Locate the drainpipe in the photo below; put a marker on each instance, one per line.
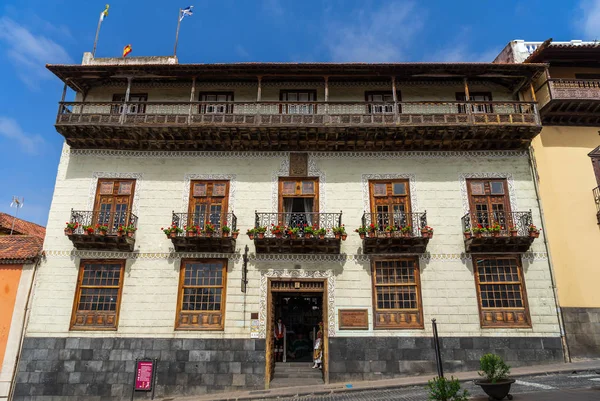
(559, 313)
(11, 390)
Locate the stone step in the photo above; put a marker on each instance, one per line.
(294, 382)
(301, 375)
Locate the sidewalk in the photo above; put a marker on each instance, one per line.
(324, 389)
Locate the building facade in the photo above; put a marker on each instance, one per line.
(20, 252)
(567, 155)
(156, 150)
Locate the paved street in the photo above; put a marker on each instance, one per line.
(572, 387)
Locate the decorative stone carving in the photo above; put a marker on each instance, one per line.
(185, 198)
(462, 180)
(298, 165)
(99, 174)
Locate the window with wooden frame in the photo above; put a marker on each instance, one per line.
(390, 203)
(299, 201)
(216, 103)
(133, 106)
(397, 294)
(595, 156)
(300, 101)
(501, 291)
(113, 203)
(201, 299)
(98, 295)
(489, 202)
(475, 97)
(382, 102)
(208, 203)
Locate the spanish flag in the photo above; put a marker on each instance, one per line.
(126, 50)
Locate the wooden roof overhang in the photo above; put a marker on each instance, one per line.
(513, 76)
(566, 54)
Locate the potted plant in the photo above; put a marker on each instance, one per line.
(120, 230)
(513, 231)
(293, 232)
(389, 231)
(130, 230)
(534, 232)
(172, 230)
(496, 383)
(467, 233)
(442, 389)
(209, 229)
(427, 232)
(102, 229)
(88, 230)
(235, 233)
(340, 232)
(373, 228)
(225, 230)
(251, 232)
(495, 229)
(362, 232)
(192, 230)
(321, 232)
(277, 230)
(406, 231)
(309, 231)
(70, 227)
(260, 231)
(479, 230)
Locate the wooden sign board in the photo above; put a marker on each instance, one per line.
(353, 319)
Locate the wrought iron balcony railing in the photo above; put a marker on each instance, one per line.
(596, 193)
(218, 220)
(299, 220)
(508, 221)
(298, 113)
(412, 223)
(111, 219)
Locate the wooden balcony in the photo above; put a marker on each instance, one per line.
(219, 241)
(302, 242)
(406, 237)
(570, 102)
(317, 126)
(94, 239)
(596, 194)
(514, 235)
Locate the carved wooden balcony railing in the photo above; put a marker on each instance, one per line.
(596, 193)
(293, 125)
(302, 242)
(514, 234)
(218, 241)
(407, 236)
(570, 101)
(112, 239)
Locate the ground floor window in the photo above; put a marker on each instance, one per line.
(501, 292)
(98, 295)
(397, 294)
(201, 300)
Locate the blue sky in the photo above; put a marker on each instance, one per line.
(36, 32)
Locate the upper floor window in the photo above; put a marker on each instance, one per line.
(216, 102)
(135, 105)
(381, 102)
(113, 203)
(595, 155)
(489, 202)
(390, 203)
(208, 203)
(299, 201)
(300, 101)
(475, 97)
(98, 295)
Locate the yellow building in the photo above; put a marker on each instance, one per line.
(567, 155)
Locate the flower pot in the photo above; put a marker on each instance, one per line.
(514, 233)
(371, 234)
(293, 236)
(338, 235)
(173, 234)
(321, 236)
(388, 234)
(120, 233)
(478, 235)
(407, 234)
(278, 235)
(68, 231)
(467, 235)
(307, 235)
(191, 234)
(234, 235)
(208, 234)
(362, 235)
(130, 234)
(86, 232)
(102, 232)
(534, 234)
(495, 233)
(344, 236)
(251, 236)
(261, 235)
(498, 390)
(225, 234)
(425, 234)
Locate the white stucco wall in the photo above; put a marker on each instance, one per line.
(148, 305)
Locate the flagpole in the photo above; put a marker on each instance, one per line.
(177, 33)
(97, 32)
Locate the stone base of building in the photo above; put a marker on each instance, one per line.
(103, 368)
(372, 358)
(582, 327)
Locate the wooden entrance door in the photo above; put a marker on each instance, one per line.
(390, 203)
(208, 203)
(114, 199)
(489, 203)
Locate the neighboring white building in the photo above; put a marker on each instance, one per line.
(403, 145)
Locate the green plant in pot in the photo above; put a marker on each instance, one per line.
(496, 382)
(442, 389)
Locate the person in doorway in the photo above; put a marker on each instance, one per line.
(279, 333)
(318, 351)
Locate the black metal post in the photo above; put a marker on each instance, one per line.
(438, 354)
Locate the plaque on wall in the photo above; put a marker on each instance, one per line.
(353, 319)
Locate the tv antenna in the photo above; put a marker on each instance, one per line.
(16, 203)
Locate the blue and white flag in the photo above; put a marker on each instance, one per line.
(185, 12)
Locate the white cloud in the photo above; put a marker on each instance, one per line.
(375, 34)
(10, 129)
(461, 53)
(589, 24)
(30, 52)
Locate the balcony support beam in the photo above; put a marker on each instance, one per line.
(326, 94)
(395, 95)
(467, 95)
(192, 96)
(533, 97)
(127, 93)
(259, 91)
